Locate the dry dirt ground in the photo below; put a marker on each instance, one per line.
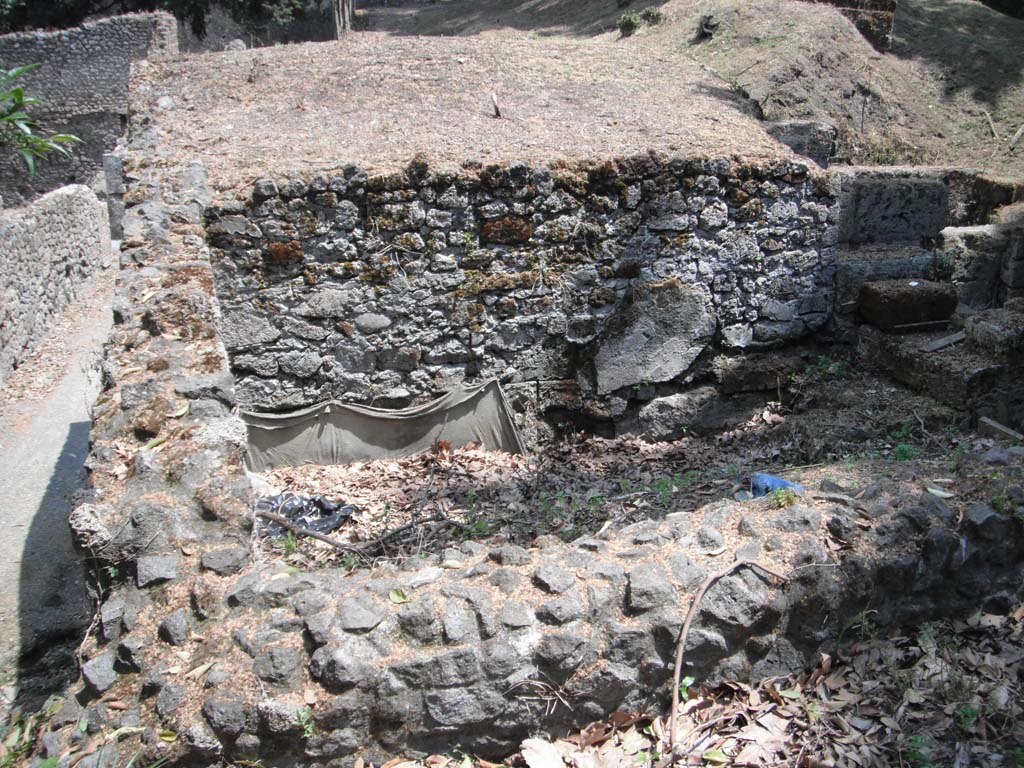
(953, 65)
(378, 100)
(419, 79)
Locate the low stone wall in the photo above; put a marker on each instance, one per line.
(49, 248)
(83, 81)
(621, 282)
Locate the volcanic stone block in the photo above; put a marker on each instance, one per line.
(997, 330)
(890, 303)
(99, 672)
(153, 569)
(656, 336)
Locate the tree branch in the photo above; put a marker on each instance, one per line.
(690, 614)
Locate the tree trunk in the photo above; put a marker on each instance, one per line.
(343, 12)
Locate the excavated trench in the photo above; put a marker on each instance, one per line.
(706, 303)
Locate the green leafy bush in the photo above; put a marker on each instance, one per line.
(628, 24)
(18, 129)
(905, 452)
(652, 16)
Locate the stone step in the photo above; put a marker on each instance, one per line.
(906, 304)
(963, 376)
(856, 265)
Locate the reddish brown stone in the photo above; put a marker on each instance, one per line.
(506, 231)
(285, 253)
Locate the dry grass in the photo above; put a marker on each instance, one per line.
(378, 100)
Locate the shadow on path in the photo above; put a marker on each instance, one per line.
(54, 603)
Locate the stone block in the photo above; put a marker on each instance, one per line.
(891, 303)
(656, 336)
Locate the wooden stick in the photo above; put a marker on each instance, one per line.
(690, 614)
(284, 521)
(991, 125)
(1016, 137)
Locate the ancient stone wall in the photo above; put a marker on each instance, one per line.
(620, 282)
(83, 82)
(49, 248)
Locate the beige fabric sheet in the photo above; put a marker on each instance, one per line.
(340, 433)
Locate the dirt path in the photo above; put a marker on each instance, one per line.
(44, 440)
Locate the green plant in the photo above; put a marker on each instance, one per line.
(903, 433)
(469, 238)
(781, 498)
(289, 543)
(916, 752)
(966, 717)
(304, 719)
(905, 452)
(826, 365)
(652, 16)
(18, 129)
(628, 24)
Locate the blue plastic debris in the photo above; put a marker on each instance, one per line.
(761, 484)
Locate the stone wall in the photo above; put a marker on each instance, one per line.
(620, 282)
(83, 80)
(49, 248)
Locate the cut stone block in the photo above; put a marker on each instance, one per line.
(890, 303)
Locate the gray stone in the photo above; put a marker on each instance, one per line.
(227, 714)
(154, 569)
(686, 574)
(201, 739)
(510, 554)
(281, 718)
(344, 665)
(710, 538)
(737, 601)
(506, 580)
(360, 614)
(672, 416)
(99, 672)
(459, 623)
(567, 608)
(301, 364)
(656, 337)
(225, 561)
(245, 329)
(443, 670)
(170, 699)
(457, 707)
(649, 588)
(175, 628)
(370, 322)
(277, 664)
(129, 654)
(516, 615)
(797, 519)
(551, 578)
(419, 619)
(987, 524)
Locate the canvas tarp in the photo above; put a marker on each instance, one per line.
(340, 433)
